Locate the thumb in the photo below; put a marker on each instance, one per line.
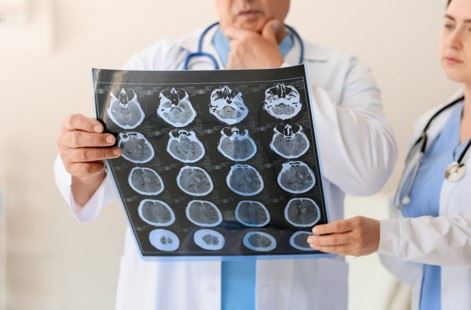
(271, 29)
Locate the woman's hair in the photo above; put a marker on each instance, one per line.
(448, 3)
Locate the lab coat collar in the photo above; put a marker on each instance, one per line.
(312, 52)
(437, 125)
(433, 131)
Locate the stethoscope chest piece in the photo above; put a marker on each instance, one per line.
(455, 172)
(405, 200)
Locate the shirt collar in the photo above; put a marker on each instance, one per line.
(222, 45)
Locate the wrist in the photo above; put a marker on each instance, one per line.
(277, 61)
(90, 179)
(377, 234)
(83, 188)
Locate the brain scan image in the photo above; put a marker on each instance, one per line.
(244, 180)
(156, 212)
(290, 142)
(252, 214)
(175, 107)
(302, 212)
(296, 177)
(208, 239)
(145, 181)
(194, 181)
(227, 105)
(125, 110)
(299, 241)
(214, 164)
(235, 145)
(259, 241)
(135, 147)
(164, 240)
(184, 146)
(203, 213)
(282, 101)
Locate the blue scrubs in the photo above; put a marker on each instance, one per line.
(222, 45)
(238, 277)
(425, 196)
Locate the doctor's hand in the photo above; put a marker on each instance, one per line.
(83, 146)
(252, 50)
(357, 236)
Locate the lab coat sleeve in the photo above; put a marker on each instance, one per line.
(105, 194)
(356, 144)
(406, 272)
(442, 240)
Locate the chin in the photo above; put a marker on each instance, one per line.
(459, 76)
(255, 26)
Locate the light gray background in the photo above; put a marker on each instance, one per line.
(45, 75)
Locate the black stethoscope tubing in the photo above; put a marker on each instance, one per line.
(399, 201)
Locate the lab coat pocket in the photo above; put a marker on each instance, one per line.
(318, 284)
(135, 284)
(124, 283)
(302, 284)
(331, 286)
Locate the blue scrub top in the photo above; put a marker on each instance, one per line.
(238, 277)
(222, 45)
(425, 196)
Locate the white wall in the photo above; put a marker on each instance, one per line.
(3, 241)
(55, 262)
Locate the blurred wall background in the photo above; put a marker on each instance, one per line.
(54, 262)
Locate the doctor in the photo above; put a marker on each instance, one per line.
(356, 146)
(429, 245)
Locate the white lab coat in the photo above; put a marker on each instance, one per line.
(407, 243)
(357, 151)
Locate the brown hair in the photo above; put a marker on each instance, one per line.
(448, 3)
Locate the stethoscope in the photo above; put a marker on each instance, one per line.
(455, 172)
(201, 53)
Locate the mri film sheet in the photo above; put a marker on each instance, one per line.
(214, 163)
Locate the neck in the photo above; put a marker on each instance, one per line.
(467, 104)
(466, 119)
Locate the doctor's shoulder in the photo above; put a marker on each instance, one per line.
(320, 54)
(152, 57)
(340, 71)
(165, 54)
(424, 118)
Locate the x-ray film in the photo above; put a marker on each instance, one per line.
(214, 163)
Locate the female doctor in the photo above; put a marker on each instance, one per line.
(355, 142)
(429, 245)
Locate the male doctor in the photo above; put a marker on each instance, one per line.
(357, 150)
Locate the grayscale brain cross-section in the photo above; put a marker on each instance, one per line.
(214, 163)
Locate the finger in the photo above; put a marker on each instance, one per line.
(237, 33)
(83, 123)
(271, 29)
(86, 169)
(84, 155)
(332, 228)
(332, 239)
(81, 139)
